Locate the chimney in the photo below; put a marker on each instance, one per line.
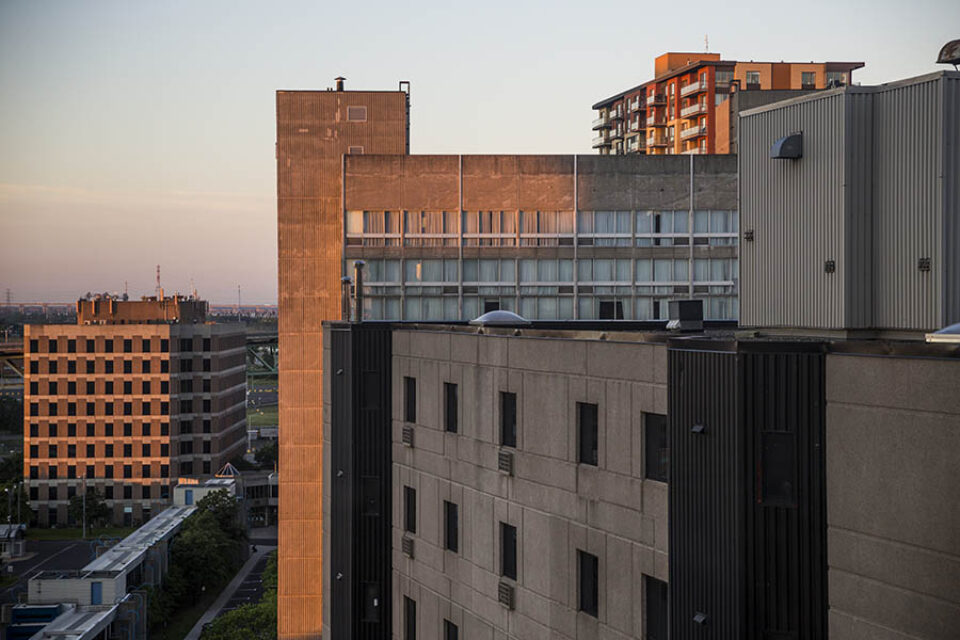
(340, 80)
(345, 298)
(358, 290)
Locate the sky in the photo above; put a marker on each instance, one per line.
(141, 133)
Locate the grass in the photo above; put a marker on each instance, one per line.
(262, 382)
(183, 619)
(263, 417)
(74, 534)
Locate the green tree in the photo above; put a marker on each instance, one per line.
(11, 468)
(98, 513)
(8, 498)
(204, 553)
(11, 415)
(266, 456)
(257, 621)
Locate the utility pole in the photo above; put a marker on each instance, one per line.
(9, 505)
(19, 491)
(238, 302)
(83, 486)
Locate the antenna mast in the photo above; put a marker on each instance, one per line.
(706, 43)
(159, 290)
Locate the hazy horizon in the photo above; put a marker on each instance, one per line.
(137, 134)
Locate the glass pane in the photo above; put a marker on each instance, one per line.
(471, 308)
(528, 308)
(355, 222)
(718, 222)
(508, 271)
(547, 270)
(451, 271)
(432, 271)
(411, 308)
(585, 270)
(701, 221)
(644, 222)
(528, 271)
(623, 222)
(663, 270)
(432, 308)
(585, 221)
(450, 308)
(391, 309)
(565, 270)
(680, 219)
(470, 273)
(603, 270)
(643, 271)
(548, 309)
(565, 311)
(623, 271)
(681, 270)
(701, 269)
(411, 271)
(605, 222)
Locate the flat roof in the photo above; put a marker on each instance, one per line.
(78, 623)
(128, 551)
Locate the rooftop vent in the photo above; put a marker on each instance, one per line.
(950, 335)
(788, 147)
(340, 80)
(500, 318)
(686, 315)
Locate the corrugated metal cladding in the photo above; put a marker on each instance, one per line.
(747, 491)
(313, 133)
(880, 174)
(360, 545)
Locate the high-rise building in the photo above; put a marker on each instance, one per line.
(132, 397)
(686, 108)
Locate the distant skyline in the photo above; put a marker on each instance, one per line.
(133, 134)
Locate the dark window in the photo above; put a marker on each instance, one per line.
(146, 487)
(91, 407)
(186, 406)
(71, 473)
(206, 364)
(52, 345)
(127, 428)
(127, 387)
(34, 451)
(587, 433)
(108, 490)
(410, 509)
(450, 631)
(206, 385)
(206, 344)
(127, 345)
(108, 387)
(778, 468)
(145, 387)
(145, 345)
(164, 449)
(145, 473)
(491, 305)
(145, 429)
(611, 310)
(164, 470)
(72, 409)
(409, 619)
(450, 406)
(90, 471)
(52, 409)
(186, 426)
(91, 429)
(186, 344)
(72, 388)
(145, 366)
(91, 451)
(127, 491)
(108, 472)
(91, 387)
(656, 449)
(164, 345)
(34, 346)
(588, 577)
(71, 366)
(508, 551)
(186, 468)
(108, 451)
(451, 526)
(164, 386)
(108, 429)
(52, 366)
(656, 608)
(186, 365)
(34, 366)
(34, 409)
(34, 472)
(52, 473)
(34, 493)
(508, 419)
(128, 366)
(108, 346)
(108, 366)
(91, 368)
(52, 453)
(34, 431)
(34, 388)
(206, 466)
(186, 447)
(71, 346)
(128, 408)
(72, 429)
(206, 426)
(127, 450)
(108, 408)
(91, 346)
(206, 446)
(71, 451)
(52, 431)
(52, 493)
(127, 471)
(164, 367)
(165, 429)
(52, 386)
(206, 406)
(410, 399)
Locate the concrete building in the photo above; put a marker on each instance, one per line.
(448, 237)
(132, 397)
(790, 479)
(686, 107)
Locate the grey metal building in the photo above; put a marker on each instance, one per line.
(860, 232)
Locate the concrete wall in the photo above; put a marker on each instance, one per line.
(557, 505)
(893, 539)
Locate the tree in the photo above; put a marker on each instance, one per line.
(8, 498)
(266, 456)
(98, 513)
(204, 553)
(11, 415)
(225, 508)
(256, 621)
(11, 468)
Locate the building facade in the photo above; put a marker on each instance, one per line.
(134, 396)
(686, 109)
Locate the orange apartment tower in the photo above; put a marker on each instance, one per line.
(132, 397)
(315, 130)
(690, 106)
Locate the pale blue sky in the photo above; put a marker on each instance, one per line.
(133, 133)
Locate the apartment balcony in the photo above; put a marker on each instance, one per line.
(692, 89)
(635, 105)
(658, 120)
(635, 125)
(657, 141)
(693, 110)
(656, 98)
(693, 132)
(616, 115)
(616, 134)
(693, 152)
(601, 123)
(601, 141)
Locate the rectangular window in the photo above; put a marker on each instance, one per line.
(145, 345)
(450, 631)
(410, 399)
(91, 451)
(52, 345)
(656, 448)
(409, 619)
(451, 520)
(52, 366)
(91, 429)
(587, 433)
(808, 80)
(410, 509)
(91, 346)
(71, 366)
(108, 490)
(753, 79)
(588, 575)
(71, 451)
(127, 471)
(127, 345)
(108, 366)
(508, 551)
(127, 492)
(91, 368)
(108, 451)
(450, 406)
(145, 366)
(508, 419)
(656, 608)
(145, 387)
(108, 429)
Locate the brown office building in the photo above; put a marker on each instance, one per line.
(132, 397)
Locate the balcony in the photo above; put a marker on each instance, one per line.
(693, 152)
(601, 123)
(634, 125)
(616, 133)
(693, 110)
(601, 141)
(658, 120)
(616, 114)
(693, 88)
(656, 98)
(635, 104)
(693, 132)
(657, 141)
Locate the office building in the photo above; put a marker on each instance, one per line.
(795, 479)
(446, 237)
(132, 397)
(686, 107)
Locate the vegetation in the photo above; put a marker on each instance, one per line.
(255, 621)
(97, 511)
(11, 483)
(11, 415)
(263, 416)
(266, 456)
(204, 557)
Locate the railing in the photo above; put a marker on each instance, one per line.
(616, 114)
(634, 125)
(656, 98)
(656, 141)
(616, 133)
(601, 122)
(635, 104)
(693, 87)
(693, 132)
(656, 121)
(693, 110)
(601, 141)
(692, 152)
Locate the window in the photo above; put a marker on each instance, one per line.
(52, 366)
(145, 366)
(52, 452)
(450, 631)
(128, 408)
(108, 346)
(588, 578)
(52, 473)
(72, 409)
(34, 451)
(34, 431)
(91, 346)
(355, 150)
(108, 366)
(410, 399)
(108, 408)
(206, 466)
(127, 471)
(127, 345)
(451, 528)
(34, 388)
(71, 474)
(128, 451)
(90, 471)
(655, 608)
(145, 429)
(186, 344)
(71, 366)
(52, 430)
(108, 451)
(34, 346)
(164, 449)
(611, 310)
(127, 492)
(71, 388)
(410, 509)
(34, 409)
(753, 79)
(72, 430)
(206, 426)
(587, 433)
(91, 429)
(108, 387)
(52, 345)
(91, 406)
(108, 490)
(164, 470)
(91, 451)
(146, 488)
(206, 364)
(145, 345)
(508, 419)
(206, 446)
(127, 429)
(127, 388)
(508, 551)
(71, 451)
(164, 345)
(34, 366)
(808, 80)
(164, 367)
(108, 473)
(656, 448)
(206, 344)
(450, 406)
(145, 387)
(91, 368)
(357, 114)
(52, 493)
(128, 366)
(108, 430)
(409, 619)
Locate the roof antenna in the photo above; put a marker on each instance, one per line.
(706, 43)
(159, 290)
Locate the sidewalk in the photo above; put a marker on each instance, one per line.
(227, 593)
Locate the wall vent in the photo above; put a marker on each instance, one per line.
(406, 546)
(505, 462)
(356, 114)
(406, 436)
(505, 594)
